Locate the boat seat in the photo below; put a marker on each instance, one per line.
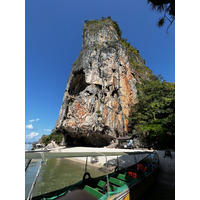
(116, 181)
(125, 178)
(121, 176)
(101, 185)
(92, 191)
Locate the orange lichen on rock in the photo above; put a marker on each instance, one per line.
(105, 112)
(74, 124)
(115, 104)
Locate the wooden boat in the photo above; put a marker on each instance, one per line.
(124, 184)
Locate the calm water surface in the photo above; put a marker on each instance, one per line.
(28, 146)
(56, 174)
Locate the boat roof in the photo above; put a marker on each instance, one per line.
(39, 155)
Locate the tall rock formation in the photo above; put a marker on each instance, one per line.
(101, 87)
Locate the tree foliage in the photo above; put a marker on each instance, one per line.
(167, 7)
(154, 114)
(57, 137)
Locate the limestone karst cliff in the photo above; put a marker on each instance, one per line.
(101, 87)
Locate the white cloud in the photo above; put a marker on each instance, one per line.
(31, 135)
(29, 126)
(47, 130)
(34, 120)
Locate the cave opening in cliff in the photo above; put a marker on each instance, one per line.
(90, 140)
(78, 83)
(115, 91)
(98, 86)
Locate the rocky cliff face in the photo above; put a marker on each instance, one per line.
(101, 87)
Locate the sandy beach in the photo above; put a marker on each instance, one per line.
(167, 165)
(112, 161)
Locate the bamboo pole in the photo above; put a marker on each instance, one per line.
(34, 182)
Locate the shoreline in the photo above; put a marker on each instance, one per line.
(167, 165)
(100, 161)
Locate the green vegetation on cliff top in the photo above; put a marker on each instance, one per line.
(98, 23)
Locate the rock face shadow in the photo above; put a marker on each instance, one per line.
(78, 83)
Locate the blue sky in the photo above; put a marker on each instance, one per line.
(53, 40)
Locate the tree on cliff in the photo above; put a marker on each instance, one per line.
(164, 6)
(57, 137)
(154, 114)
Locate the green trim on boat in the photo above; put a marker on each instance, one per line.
(124, 178)
(117, 182)
(119, 189)
(92, 191)
(115, 188)
(101, 184)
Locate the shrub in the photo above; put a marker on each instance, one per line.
(117, 28)
(130, 48)
(46, 140)
(57, 137)
(97, 22)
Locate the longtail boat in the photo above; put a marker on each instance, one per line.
(122, 184)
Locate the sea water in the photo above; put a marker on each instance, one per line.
(56, 173)
(28, 146)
